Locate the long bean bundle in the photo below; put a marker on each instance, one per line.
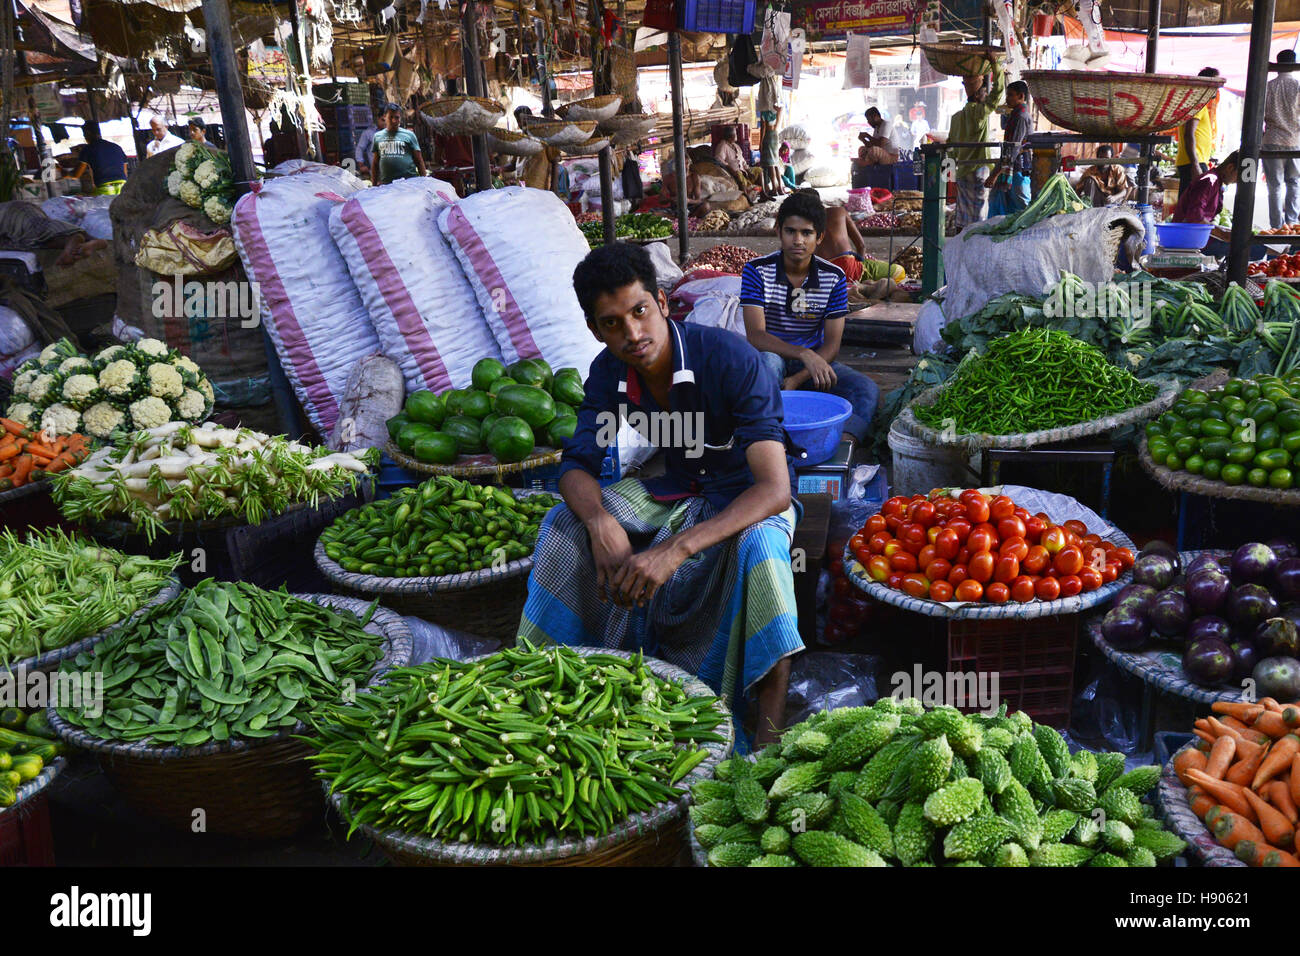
(1031, 380)
(520, 746)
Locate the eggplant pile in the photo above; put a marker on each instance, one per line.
(1235, 618)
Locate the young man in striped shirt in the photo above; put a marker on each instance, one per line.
(794, 305)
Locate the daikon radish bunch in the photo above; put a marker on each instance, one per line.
(183, 472)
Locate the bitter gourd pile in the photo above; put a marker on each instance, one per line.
(896, 785)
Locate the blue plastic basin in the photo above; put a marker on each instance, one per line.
(815, 420)
(1183, 235)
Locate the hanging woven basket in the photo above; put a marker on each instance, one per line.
(1118, 105)
(962, 59)
(465, 115)
(562, 134)
(509, 143)
(591, 147)
(596, 108)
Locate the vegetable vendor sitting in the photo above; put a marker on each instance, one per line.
(693, 566)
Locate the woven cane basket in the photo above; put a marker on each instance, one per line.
(465, 115)
(474, 466)
(1196, 485)
(596, 108)
(635, 124)
(509, 143)
(252, 789)
(1119, 105)
(656, 837)
(561, 134)
(962, 59)
(487, 603)
(591, 147)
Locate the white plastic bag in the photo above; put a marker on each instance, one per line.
(775, 45)
(857, 63)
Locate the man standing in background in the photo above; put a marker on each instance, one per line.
(365, 145)
(1196, 139)
(1282, 131)
(395, 153)
(1010, 181)
(970, 124)
(104, 161)
(162, 139)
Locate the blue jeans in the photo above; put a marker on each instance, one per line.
(852, 386)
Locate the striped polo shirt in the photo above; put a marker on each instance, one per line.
(796, 316)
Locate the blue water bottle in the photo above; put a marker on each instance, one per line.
(1148, 217)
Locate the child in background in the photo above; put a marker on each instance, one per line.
(787, 171)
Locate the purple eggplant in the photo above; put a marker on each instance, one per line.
(1207, 591)
(1284, 548)
(1286, 577)
(1253, 563)
(1209, 626)
(1169, 613)
(1208, 661)
(1277, 637)
(1154, 569)
(1143, 594)
(1277, 677)
(1163, 548)
(1202, 562)
(1244, 658)
(1251, 605)
(1125, 628)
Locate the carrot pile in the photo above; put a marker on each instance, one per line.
(1243, 779)
(25, 457)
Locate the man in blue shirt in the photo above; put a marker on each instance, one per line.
(105, 161)
(794, 305)
(692, 567)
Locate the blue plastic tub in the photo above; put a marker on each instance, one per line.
(1183, 235)
(393, 477)
(815, 420)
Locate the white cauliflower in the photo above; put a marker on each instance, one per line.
(174, 180)
(49, 354)
(187, 364)
(216, 210)
(118, 377)
(78, 388)
(191, 405)
(59, 419)
(206, 388)
(190, 195)
(149, 413)
(185, 155)
(102, 419)
(164, 381)
(22, 412)
(154, 347)
(107, 355)
(23, 381)
(206, 174)
(39, 387)
(72, 364)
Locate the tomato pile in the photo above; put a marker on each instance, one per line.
(977, 548)
(1279, 267)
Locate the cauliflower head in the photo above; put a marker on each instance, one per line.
(72, 364)
(150, 412)
(78, 388)
(23, 381)
(40, 387)
(118, 377)
(216, 210)
(186, 154)
(206, 388)
(102, 419)
(191, 405)
(24, 413)
(50, 353)
(164, 381)
(60, 419)
(174, 180)
(109, 354)
(205, 174)
(190, 194)
(154, 347)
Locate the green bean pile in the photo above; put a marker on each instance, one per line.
(223, 661)
(444, 526)
(520, 746)
(1030, 380)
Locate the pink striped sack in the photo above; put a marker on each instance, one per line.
(518, 247)
(423, 308)
(313, 312)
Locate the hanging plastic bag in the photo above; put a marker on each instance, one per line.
(857, 63)
(775, 46)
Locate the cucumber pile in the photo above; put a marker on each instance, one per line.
(27, 744)
(507, 412)
(1245, 432)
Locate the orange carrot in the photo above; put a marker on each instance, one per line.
(1271, 722)
(1269, 703)
(1253, 853)
(1279, 759)
(1243, 771)
(63, 461)
(22, 470)
(1231, 828)
(1189, 758)
(1200, 801)
(1229, 794)
(9, 451)
(1221, 755)
(1294, 784)
(1246, 713)
(1233, 722)
(1279, 794)
(1205, 735)
(1291, 715)
(1248, 749)
(1275, 826)
(45, 451)
(1254, 736)
(11, 426)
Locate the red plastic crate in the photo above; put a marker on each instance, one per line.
(25, 837)
(1034, 661)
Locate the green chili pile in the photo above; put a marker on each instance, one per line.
(1030, 380)
(517, 747)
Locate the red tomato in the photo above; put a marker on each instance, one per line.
(1014, 546)
(1011, 527)
(841, 587)
(913, 547)
(894, 506)
(1022, 514)
(947, 543)
(957, 510)
(863, 556)
(1036, 560)
(893, 523)
(1070, 585)
(1124, 556)
(1002, 507)
(1093, 540)
(963, 556)
(1034, 528)
(981, 540)
(912, 532)
(1053, 540)
(1068, 560)
(969, 494)
(1047, 589)
(837, 567)
(916, 585)
(895, 580)
(958, 574)
(1077, 526)
(1095, 558)
(982, 565)
(892, 547)
(937, 570)
(878, 541)
(969, 591)
(903, 561)
(961, 527)
(998, 593)
(878, 567)
(977, 509)
(940, 591)
(925, 556)
(874, 524)
(1072, 540)
(1007, 569)
(932, 532)
(1091, 579)
(1022, 589)
(1111, 572)
(855, 542)
(923, 513)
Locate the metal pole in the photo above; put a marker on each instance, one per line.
(679, 142)
(1153, 44)
(543, 74)
(300, 48)
(599, 87)
(474, 86)
(1252, 133)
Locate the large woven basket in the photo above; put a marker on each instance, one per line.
(627, 128)
(465, 115)
(474, 466)
(487, 603)
(962, 59)
(509, 143)
(1196, 485)
(50, 660)
(655, 837)
(591, 147)
(561, 134)
(1118, 105)
(253, 789)
(1171, 798)
(596, 108)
